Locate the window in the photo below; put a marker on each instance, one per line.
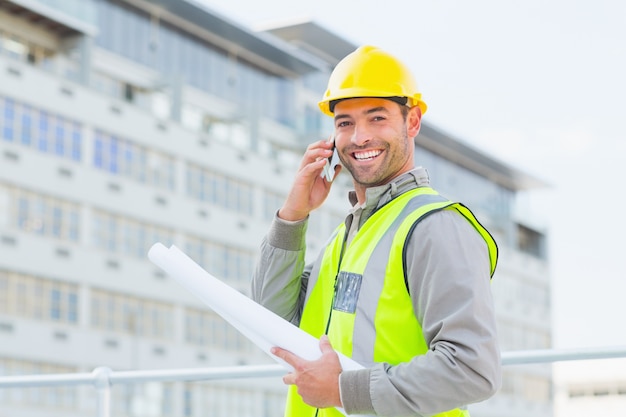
(16, 47)
(127, 314)
(8, 119)
(206, 328)
(123, 235)
(4, 292)
(530, 241)
(219, 189)
(50, 397)
(27, 126)
(271, 203)
(225, 262)
(55, 304)
(38, 298)
(125, 158)
(188, 400)
(38, 129)
(313, 122)
(167, 400)
(460, 184)
(43, 215)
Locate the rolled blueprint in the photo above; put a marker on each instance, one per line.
(263, 327)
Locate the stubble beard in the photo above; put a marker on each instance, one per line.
(387, 169)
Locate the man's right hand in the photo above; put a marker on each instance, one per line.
(309, 189)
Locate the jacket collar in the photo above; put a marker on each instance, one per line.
(376, 197)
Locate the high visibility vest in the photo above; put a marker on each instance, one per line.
(372, 267)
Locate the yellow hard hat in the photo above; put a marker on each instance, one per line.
(371, 72)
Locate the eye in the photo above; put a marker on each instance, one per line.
(343, 124)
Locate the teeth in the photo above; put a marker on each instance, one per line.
(366, 155)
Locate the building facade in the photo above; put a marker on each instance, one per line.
(129, 122)
(591, 387)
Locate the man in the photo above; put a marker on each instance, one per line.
(403, 287)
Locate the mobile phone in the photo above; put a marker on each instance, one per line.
(331, 162)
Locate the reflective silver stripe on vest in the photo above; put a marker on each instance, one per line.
(364, 335)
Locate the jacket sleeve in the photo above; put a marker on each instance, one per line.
(280, 277)
(449, 282)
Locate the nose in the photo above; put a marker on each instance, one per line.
(361, 134)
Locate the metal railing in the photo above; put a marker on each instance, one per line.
(103, 378)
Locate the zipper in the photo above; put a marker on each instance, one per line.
(330, 313)
(343, 248)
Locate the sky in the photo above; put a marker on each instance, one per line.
(537, 84)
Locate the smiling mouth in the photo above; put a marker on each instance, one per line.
(367, 155)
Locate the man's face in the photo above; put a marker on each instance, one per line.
(373, 139)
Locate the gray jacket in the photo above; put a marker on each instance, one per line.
(449, 282)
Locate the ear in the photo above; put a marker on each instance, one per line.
(414, 121)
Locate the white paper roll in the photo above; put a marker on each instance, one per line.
(263, 327)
